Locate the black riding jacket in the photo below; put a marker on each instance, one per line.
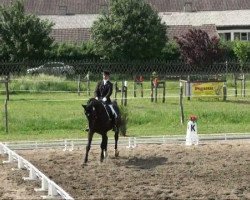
(102, 90)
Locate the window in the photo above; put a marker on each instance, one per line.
(243, 36)
(236, 36)
(227, 36)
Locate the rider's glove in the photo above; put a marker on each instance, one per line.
(104, 99)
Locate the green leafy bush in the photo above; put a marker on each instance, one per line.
(124, 120)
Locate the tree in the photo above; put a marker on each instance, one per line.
(241, 50)
(23, 36)
(198, 49)
(170, 51)
(130, 29)
(72, 51)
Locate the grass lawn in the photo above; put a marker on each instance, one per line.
(59, 115)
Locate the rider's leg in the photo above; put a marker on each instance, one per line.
(115, 117)
(113, 111)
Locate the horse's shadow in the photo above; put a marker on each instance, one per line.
(146, 163)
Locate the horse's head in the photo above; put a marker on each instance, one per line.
(90, 108)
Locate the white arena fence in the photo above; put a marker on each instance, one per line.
(48, 185)
(129, 142)
(54, 190)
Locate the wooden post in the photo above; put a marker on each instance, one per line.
(244, 85)
(224, 92)
(181, 103)
(88, 84)
(5, 80)
(235, 85)
(141, 89)
(125, 93)
(188, 88)
(135, 86)
(88, 87)
(116, 90)
(122, 100)
(152, 91)
(6, 115)
(155, 96)
(79, 85)
(164, 91)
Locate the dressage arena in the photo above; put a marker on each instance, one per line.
(211, 170)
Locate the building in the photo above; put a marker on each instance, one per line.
(230, 19)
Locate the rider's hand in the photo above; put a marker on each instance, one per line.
(96, 98)
(104, 99)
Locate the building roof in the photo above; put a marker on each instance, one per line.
(71, 21)
(199, 5)
(76, 28)
(73, 35)
(179, 30)
(219, 18)
(74, 18)
(78, 35)
(56, 7)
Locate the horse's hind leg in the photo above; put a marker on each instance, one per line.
(104, 145)
(116, 141)
(90, 136)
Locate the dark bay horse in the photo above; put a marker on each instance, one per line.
(99, 122)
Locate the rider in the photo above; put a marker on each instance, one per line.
(103, 91)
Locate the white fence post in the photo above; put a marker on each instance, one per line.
(65, 145)
(129, 143)
(44, 185)
(10, 157)
(134, 142)
(20, 163)
(32, 174)
(1, 149)
(47, 185)
(52, 192)
(72, 146)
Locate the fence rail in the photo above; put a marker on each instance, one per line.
(46, 184)
(167, 69)
(70, 144)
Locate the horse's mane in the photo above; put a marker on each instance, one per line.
(96, 103)
(92, 100)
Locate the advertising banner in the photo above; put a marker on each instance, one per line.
(207, 89)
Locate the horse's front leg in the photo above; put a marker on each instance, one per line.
(90, 136)
(104, 145)
(116, 142)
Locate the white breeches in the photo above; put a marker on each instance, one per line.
(113, 110)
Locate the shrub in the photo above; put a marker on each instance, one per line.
(124, 120)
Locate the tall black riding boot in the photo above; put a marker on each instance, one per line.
(115, 128)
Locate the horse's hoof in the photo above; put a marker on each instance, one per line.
(83, 165)
(116, 153)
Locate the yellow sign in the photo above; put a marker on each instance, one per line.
(207, 89)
